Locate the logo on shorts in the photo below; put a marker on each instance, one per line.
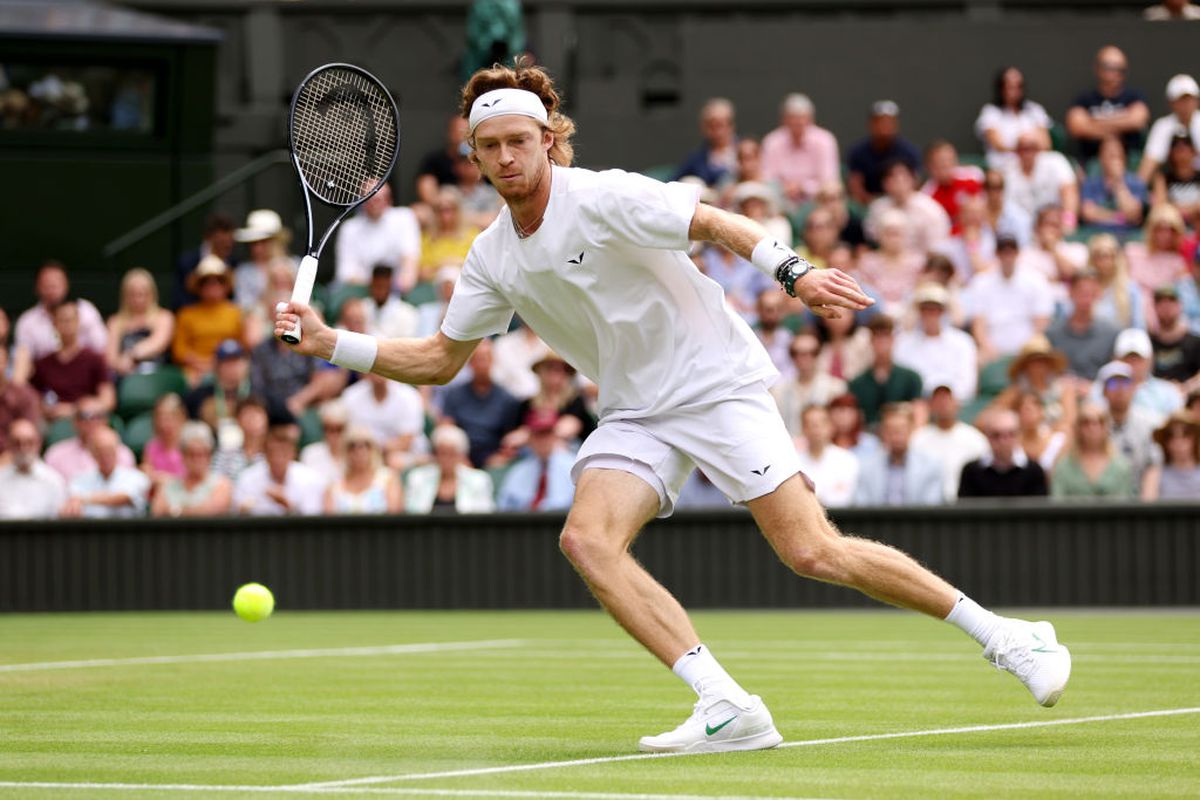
(577, 259)
(762, 471)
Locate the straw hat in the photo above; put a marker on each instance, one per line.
(1037, 347)
(1180, 417)
(552, 357)
(209, 267)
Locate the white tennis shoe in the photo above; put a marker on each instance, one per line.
(1030, 651)
(718, 725)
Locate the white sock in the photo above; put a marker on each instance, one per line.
(699, 670)
(974, 620)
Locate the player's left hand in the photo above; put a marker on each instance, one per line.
(826, 290)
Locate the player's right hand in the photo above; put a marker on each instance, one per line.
(317, 338)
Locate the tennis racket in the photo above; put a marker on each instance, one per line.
(344, 136)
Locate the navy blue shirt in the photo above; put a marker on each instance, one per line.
(869, 162)
(485, 418)
(1097, 105)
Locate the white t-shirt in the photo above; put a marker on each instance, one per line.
(948, 359)
(1009, 125)
(1164, 129)
(303, 487)
(1051, 171)
(395, 319)
(37, 494)
(835, 474)
(954, 448)
(400, 413)
(1008, 305)
(605, 282)
(362, 243)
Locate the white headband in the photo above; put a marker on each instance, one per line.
(498, 102)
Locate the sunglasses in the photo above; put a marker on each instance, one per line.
(358, 443)
(805, 352)
(1113, 66)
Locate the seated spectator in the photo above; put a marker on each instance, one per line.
(328, 456)
(556, 394)
(16, 402)
(884, 382)
(893, 269)
(73, 456)
(1050, 255)
(29, 488)
(1183, 94)
(437, 166)
(770, 308)
(1006, 307)
(899, 475)
(883, 145)
(1001, 213)
(939, 271)
(939, 353)
(1120, 300)
(850, 427)
(1010, 114)
(1132, 427)
(757, 200)
(1155, 261)
(1039, 178)
(845, 346)
(1039, 441)
(952, 442)
(1040, 369)
(925, 221)
(740, 280)
(449, 484)
(807, 386)
(73, 372)
(973, 248)
(242, 446)
(140, 332)
(1177, 182)
(448, 239)
(394, 414)
(819, 238)
(1092, 466)
(1086, 341)
(749, 163)
(365, 486)
(388, 317)
(950, 183)
(832, 469)
(109, 490)
(431, 314)
(266, 241)
(1113, 200)
(1179, 476)
(215, 403)
(540, 480)
(217, 240)
(1158, 397)
(1176, 348)
(514, 355)
(200, 327)
(799, 155)
(199, 491)
(481, 203)
(162, 456)
(36, 334)
(715, 160)
(1172, 10)
(1005, 471)
(379, 234)
(1110, 109)
(831, 197)
(279, 484)
(287, 380)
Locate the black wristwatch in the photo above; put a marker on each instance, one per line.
(791, 271)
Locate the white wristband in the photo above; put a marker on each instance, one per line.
(354, 351)
(769, 254)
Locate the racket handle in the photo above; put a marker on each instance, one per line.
(302, 293)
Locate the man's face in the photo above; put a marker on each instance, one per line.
(881, 344)
(481, 360)
(931, 318)
(1185, 106)
(231, 372)
(512, 153)
(542, 443)
(1139, 364)
(1118, 392)
(1007, 257)
(90, 418)
(1167, 309)
(894, 432)
(942, 406)
(354, 317)
(104, 450)
(898, 183)
(1084, 293)
(381, 286)
(748, 157)
(51, 286)
(1112, 157)
(221, 243)
(770, 309)
(25, 443)
(1111, 68)
(804, 351)
(716, 126)
(1027, 152)
(796, 123)
(379, 202)
(816, 426)
(883, 127)
(66, 323)
(1002, 436)
(941, 164)
(820, 232)
(279, 453)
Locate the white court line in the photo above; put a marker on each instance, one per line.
(270, 655)
(800, 656)
(394, 791)
(579, 762)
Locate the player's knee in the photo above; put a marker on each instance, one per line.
(818, 557)
(586, 547)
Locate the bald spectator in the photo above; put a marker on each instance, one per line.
(715, 161)
(950, 183)
(926, 222)
(1183, 94)
(1005, 471)
(899, 475)
(1110, 109)
(807, 385)
(16, 402)
(73, 372)
(1038, 178)
(951, 441)
(882, 146)
(832, 469)
(35, 331)
(799, 155)
(884, 382)
(380, 233)
(1006, 306)
(109, 490)
(29, 488)
(936, 350)
(1086, 341)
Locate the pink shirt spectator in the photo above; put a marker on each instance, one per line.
(162, 459)
(35, 330)
(71, 459)
(927, 222)
(1152, 270)
(812, 162)
(895, 278)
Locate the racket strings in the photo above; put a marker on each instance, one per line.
(343, 134)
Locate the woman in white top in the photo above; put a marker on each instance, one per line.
(1002, 121)
(366, 486)
(449, 484)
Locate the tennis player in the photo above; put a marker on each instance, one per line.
(595, 263)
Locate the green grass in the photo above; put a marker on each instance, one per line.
(575, 686)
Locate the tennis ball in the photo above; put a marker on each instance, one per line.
(253, 602)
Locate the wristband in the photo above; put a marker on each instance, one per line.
(780, 262)
(354, 351)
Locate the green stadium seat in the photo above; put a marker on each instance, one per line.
(137, 393)
(660, 172)
(58, 430)
(338, 297)
(310, 427)
(138, 431)
(424, 292)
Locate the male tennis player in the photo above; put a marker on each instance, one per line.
(595, 263)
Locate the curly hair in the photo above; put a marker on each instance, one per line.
(523, 74)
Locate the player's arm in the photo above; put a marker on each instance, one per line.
(822, 290)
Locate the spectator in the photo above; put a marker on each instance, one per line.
(365, 486)
(950, 183)
(939, 271)
(939, 353)
(430, 315)
(1006, 307)
(740, 280)
(884, 382)
(770, 308)
(799, 155)
(850, 427)
(1010, 114)
(832, 469)
(388, 317)
(845, 346)
(73, 372)
(1183, 122)
(288, 381)
(899, 475)
(1179, 476)
(973, 248)
(162, 456)
(72, 457)
(1041, 178)
(1110, 109)
(557, 395)
(448, 484)
(1120, 300)
(514, 354)
(394, 414)
(1113, 200)
(217, 241)
(1092, 466)
(952, 442)
(328, 456)
(29, 488)
(215, 403)
(749, 163)
(1177, 182)
(140, 332)
(36, 333)
(893, 269)
(925, 221)
(266, 241)
(448, 239)
(243, 446)
(1039, 368)
(820, 237)
(16, 402)
(279, 484)
(437, 167)
(832, 198)
(540, 480)
(1001, 213)
(807, 386)
(715, 160)
(109, 490)
(757, 200)
(1005, 471)
(1157, 396)
(379, 233)
(199, 491)
(1039, 441)
(883, 145)
(1086, 341)
(1176, 348)
(1132, 427)
(1172, 10)
(200, 327)
(1051, 256)
(1155, 261)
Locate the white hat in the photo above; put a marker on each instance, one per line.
(261, 224)
(1133, 341)
(747, 190)
(1114, 369)
(1181, 86)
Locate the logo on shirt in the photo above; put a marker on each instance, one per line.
(762, 471)
(577, 259)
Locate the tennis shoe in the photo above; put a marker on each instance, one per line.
(717, 725)
(1031, 652)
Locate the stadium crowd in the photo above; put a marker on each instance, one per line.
(1036, 332)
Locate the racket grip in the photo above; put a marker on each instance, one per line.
(302, 293)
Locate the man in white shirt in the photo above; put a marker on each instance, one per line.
(596, 264)
(393, 412)
(1183, 93)
(388, 316)
(936, 350)
(279, 484)
(109, 491)
(1041, 178)
(833, 469)
(952, 442)
(1006, 306)
(379, 234)
(29, 489)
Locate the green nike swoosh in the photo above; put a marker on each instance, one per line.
(1043, 648)
(711, 730)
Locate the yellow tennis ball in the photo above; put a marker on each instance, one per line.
(253, 602)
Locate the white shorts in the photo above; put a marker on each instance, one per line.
(739, 442)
